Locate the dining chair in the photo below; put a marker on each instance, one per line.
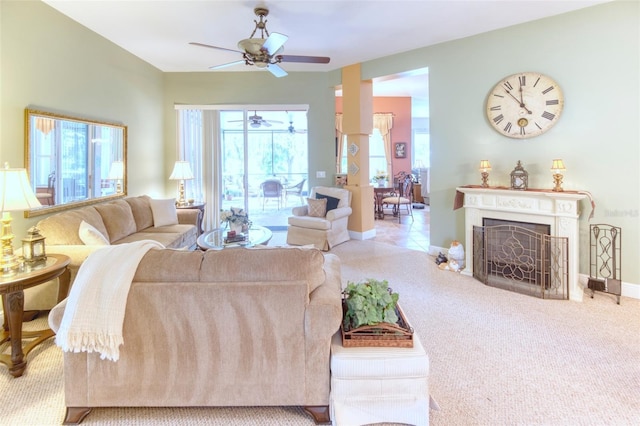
(271, 188)
(402, 196)
(294, 190)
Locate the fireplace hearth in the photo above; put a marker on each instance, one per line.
(520, 257)
(557, 266)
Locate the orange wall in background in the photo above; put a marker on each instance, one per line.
(401, 132)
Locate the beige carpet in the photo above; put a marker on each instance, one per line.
(497, 358)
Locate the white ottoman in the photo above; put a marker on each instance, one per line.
(374, 385)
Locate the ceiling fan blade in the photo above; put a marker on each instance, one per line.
(214, 47)
(276, 70)
(265, 123)
(274, 42)
(305, 59)
(217, 67)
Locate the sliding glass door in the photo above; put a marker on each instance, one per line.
(246, 148)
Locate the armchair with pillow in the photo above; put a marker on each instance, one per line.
(323, 221)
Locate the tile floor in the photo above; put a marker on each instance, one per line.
(414, 234)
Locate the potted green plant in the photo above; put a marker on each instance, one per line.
(373, 317)
(369, 303)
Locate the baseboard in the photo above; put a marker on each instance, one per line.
(362, 235)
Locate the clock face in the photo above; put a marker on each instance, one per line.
(524, 105)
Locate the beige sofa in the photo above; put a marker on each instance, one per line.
(326, 231)
(119, 221)
(236, 327)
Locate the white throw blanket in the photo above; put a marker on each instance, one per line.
(94, 315)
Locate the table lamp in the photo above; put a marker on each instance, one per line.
(485, 168)
(556, 168)
(181, 171)
(116, 172)
(15, 194)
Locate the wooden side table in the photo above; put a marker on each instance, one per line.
(417, 193)
(12, 290)
(196, 205)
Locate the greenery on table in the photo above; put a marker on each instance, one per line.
(369, 303)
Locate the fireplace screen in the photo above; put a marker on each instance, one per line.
(523, 260)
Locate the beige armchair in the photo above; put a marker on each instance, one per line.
(324, 231)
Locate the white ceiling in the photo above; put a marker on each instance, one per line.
(348, 31)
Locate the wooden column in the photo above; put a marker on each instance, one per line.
(357, 125)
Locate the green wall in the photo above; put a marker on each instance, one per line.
(49, 61)
(594, 55)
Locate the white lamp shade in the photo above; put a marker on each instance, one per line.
(558, 166)
(181, 170)
(116, 171)
(15, 191)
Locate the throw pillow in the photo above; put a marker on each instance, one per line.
(164, 212)
(90, 236)
(332, 202)
(317, 208)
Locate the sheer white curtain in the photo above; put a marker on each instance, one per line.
(196, 144)
(340, 143)
(384, 123)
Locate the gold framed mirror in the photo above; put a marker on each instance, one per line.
(73, 161)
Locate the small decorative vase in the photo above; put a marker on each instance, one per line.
(238, 227)
(381, 183)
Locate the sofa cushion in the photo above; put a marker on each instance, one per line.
(118, 219)
(90, 236)
(317, 208)
(279, 264)
(169, 266)
(176, 239)
(164, 212)
(62, 228)
(332, 202)
(310, 222)
(141, 210)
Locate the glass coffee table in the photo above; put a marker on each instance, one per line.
(214, 240)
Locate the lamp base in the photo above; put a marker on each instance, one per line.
(485, 178)
(557, 180)
(9, 263)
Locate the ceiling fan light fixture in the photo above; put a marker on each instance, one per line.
(251, 45)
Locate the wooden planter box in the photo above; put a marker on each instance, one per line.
(398, 335)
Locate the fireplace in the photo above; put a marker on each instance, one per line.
(557, 211)
(521, 257)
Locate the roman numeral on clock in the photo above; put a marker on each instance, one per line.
(508, 85)
(495, 108)
(552, 102)
(523, 80)
(548, 115)
(507, 128)
(547, 90)
(498, 118)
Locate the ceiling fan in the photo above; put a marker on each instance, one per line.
(256, 121)
(264, 53)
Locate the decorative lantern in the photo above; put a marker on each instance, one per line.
(33, 249)
(519, 178)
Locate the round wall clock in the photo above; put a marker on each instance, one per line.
(524, 105)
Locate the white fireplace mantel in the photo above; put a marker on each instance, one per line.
(559, 210)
